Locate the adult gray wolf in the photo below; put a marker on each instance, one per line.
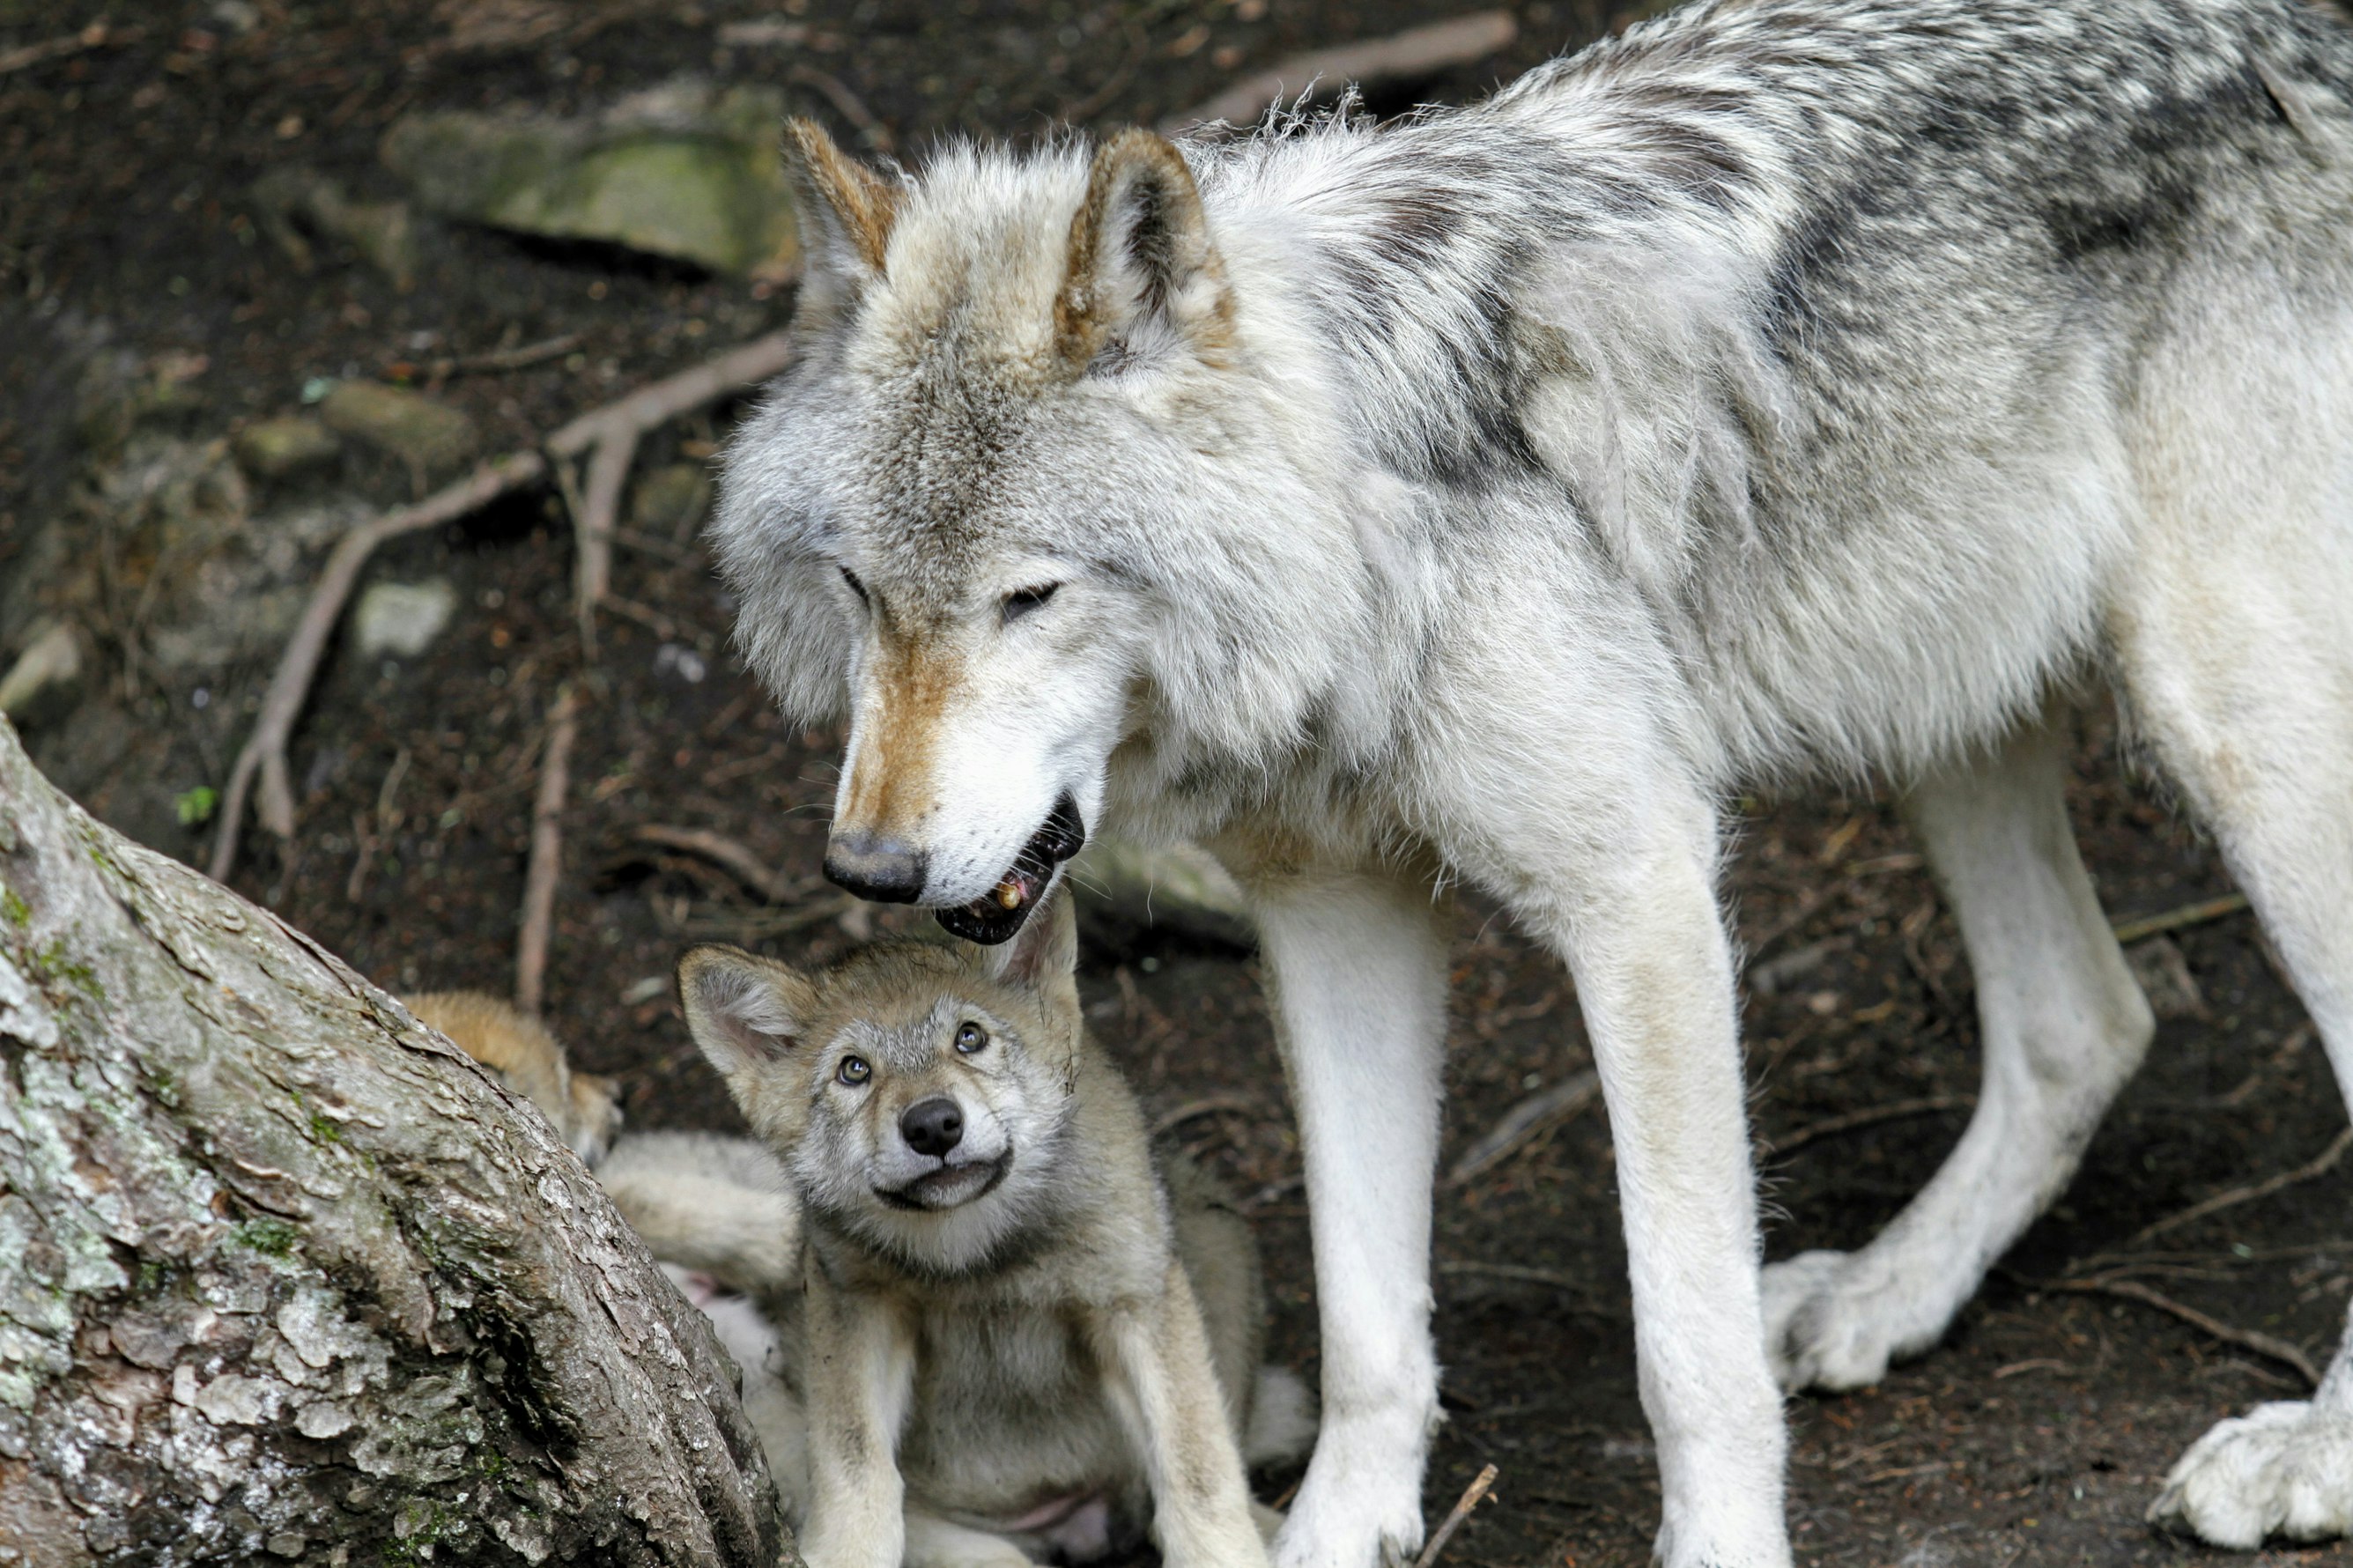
(1786, 389)
(1013, 1334)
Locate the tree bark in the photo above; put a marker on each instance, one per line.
(285, 1276)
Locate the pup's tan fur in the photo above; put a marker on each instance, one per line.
(1010, 1348)
(529, 1061)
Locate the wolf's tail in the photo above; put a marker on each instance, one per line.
(713, 1205)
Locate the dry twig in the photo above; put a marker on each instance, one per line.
(1470, 1497)
(2198, 913)
(1416, 52)
(728, 854)
(1871, 1116)
(546, 852)
(95, 35)
(615, 426)
(2272, 1345)
(2318, 1165)
(1208, 1105)
(1519, 1126)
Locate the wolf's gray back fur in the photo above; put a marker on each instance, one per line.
(1786, 388)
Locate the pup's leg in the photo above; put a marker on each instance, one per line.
(861, 1371)
(2237, 648)
(1358, 974)
(1167, 1393)
(937, 1543)
(2063, 1027)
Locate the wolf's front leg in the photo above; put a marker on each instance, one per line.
(861, 1371)
(1165, 1389)
(1357, 967)
(1653, 973)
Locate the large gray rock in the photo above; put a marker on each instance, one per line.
(683, 171)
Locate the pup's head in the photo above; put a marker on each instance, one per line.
(1023, 498)
(918, 1093)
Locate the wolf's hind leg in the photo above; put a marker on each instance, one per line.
(2064, 1025)
(933, 1543)
(2237, 648)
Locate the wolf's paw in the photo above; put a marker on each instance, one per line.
(1828, 1324)
(1360, 1506)
(2281, 1469)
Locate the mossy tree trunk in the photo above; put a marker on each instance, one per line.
(284, 1276)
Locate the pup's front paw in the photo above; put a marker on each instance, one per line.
(2281, 1469)
(1827, 1325)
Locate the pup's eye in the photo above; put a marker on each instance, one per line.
(856, 586)
(1021, 601)
(853, 1071)
(971, 1039)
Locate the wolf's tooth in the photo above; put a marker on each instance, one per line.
(1008, 892)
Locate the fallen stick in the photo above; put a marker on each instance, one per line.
(95, 35)
(2198, 913)
(2319, 1164)
(1470, 1497)
(265, 749)
(264, 756)
(2272, 1345)
(1871, 1116)
(726, 853)
(1416, 52)
(1208, 1105)
(1519, 1126)
(546, 852)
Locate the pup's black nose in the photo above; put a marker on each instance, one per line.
(872, 867)
(932, 1126)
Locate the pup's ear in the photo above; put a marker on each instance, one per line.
(1141, 272)
(746, 1012)
(1042, 956)
(845, 210)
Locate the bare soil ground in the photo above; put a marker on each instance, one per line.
(2034, 1436)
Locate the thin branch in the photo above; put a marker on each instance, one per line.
(265, 749)
(2197, 914)
(2318, 1165)
(1416, 52)
(1519, 1126)
(1208, 1105)
(546, 852)
(2255, 1340)
(1871, 1116)
(722, 851)
(847, 103)
(96, 35)
(264, 756)
(1470, 1497)
(599, 513)
(498, 362)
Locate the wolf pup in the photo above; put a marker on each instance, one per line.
(1783, 389)
(1013, 1338)
(529, 1060)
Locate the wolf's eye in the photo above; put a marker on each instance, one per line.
(856, 586)
(853, 1071)
(971, 1040)
(1021, 601)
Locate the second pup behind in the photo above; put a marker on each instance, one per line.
(1014, 1333)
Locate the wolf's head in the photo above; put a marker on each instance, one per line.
(1029, 495)
(919, 1093)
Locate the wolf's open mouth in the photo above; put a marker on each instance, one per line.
(997, 916)
(950, 1186)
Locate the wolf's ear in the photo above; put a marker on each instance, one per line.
(845, 210)
(744, 1011)
(1043, 955)
(1141, 269)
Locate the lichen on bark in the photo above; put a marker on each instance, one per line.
(283, 1275)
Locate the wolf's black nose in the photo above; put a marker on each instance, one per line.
(932, 1126)
(882, 869)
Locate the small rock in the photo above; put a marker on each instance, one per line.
(2165, 978)
(1181, 888)
(425, 435)
(670, 499)
(48, 677)
(274, 448)
(402, 619)
(683, 172)
(298, 205)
